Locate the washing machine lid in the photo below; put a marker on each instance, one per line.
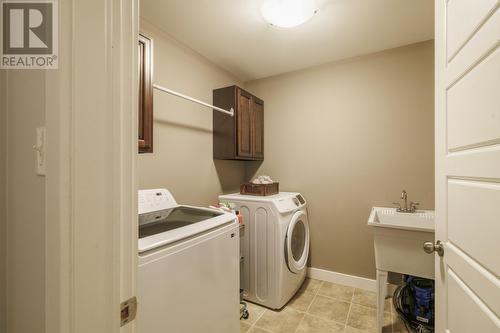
(162, 221)
(164, 227)
(297, 242)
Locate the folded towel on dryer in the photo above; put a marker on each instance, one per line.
(262, 180)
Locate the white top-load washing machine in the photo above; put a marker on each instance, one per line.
(188, 275)
(274, 246)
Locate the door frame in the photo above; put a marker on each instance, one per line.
(91, 182)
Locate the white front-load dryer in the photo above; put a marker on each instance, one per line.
(274, 246)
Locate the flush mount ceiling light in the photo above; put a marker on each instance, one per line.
(288, 13)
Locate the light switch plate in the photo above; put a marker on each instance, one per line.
(39, 148)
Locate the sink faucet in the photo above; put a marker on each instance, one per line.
(404, 196)
(405, 209)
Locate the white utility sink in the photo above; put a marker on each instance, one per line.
(398, 241)
(421, 220)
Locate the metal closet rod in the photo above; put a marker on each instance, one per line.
(175, 93)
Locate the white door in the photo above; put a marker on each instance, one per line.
(468, 166)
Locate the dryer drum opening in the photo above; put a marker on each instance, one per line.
(297, 243)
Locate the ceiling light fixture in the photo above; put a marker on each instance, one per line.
(288, 13)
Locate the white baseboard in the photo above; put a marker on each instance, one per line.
(340, 278)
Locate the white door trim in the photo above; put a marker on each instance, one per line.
(440, 60)
(91, 182)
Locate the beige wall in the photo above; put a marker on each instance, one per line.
(351, 135)
(3, 217)
(25, 236)
(182, 159)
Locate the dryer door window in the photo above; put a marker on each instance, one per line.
(297, 242)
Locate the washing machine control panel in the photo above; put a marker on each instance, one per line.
(155, 200)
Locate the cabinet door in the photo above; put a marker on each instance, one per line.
(258, 128)
(244, 115)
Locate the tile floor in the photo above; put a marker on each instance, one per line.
(323, 307)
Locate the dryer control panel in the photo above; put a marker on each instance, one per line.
(291, 203)
(301, 199)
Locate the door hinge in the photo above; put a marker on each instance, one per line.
(128, 310)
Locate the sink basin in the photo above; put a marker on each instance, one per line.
(398, 240)
(421, 220)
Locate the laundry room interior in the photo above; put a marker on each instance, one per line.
(347, 104)
(252, 166)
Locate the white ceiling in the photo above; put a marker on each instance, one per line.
(232, 33)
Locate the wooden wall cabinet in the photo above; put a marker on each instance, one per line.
(240, 137)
